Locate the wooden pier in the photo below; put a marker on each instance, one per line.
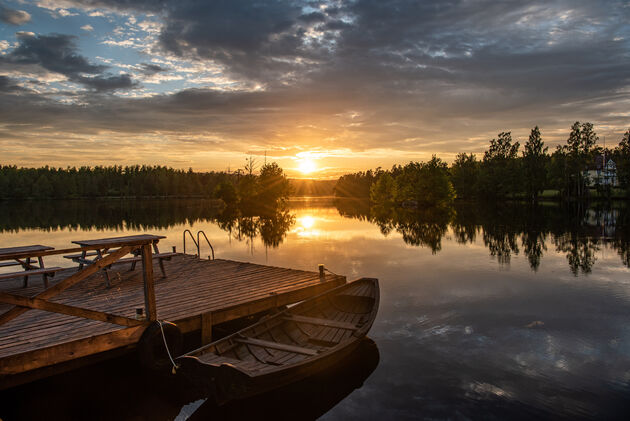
(78, 318)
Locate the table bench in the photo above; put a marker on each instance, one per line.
(110, 245)
(29, 268)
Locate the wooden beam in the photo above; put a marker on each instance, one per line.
(68, 351)
(39, 304)
(68, 282)
(206, 328)
(149, 283)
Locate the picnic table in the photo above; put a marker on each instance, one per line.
(106, 246)
(10, 255)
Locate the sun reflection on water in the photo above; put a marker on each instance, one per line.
(305, 227)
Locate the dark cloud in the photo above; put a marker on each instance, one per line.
(14, 17)
(8, 85)
(107, 83)
(58, 53)
(151, 69)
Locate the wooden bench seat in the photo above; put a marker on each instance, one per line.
(26, 273)
(6, 264)
(89, 253)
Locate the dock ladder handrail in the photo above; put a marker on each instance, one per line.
(197, 242)
(192, 238)
(207, 241)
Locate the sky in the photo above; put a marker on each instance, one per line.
(321, 87)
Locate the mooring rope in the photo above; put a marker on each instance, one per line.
(175, 367)
(330, 271)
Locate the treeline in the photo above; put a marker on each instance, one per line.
(269, 184)
(115, 181)
(502, 172)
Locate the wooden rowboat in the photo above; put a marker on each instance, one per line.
(287, 346)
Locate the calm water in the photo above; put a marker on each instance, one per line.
(509, 312)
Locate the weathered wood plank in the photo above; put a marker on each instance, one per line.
(30, 272)
(206, 328)
(39, 304)
(68, 351)
(321, 322)
(276, 345)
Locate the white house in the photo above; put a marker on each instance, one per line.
(602, 172)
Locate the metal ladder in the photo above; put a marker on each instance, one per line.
(197, 242)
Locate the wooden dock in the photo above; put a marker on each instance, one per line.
(196, 294)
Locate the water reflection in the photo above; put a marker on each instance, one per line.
(576, 231)
(271, 226)
(307, 399)
(508, 229)
(481, 316)
(119, 390)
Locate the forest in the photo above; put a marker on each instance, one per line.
(502, 173)
(269, 185)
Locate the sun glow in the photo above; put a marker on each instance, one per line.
(306, 166)
(307, 222)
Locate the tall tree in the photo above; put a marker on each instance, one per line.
(465, 175)
(499, 169)
(534, 164)
(580, 143)
(273, 185)
(623, 160)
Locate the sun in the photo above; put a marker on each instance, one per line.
(306, 166)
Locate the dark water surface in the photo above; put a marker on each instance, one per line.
(487, 312)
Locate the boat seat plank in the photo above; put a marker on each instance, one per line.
(275, 345)
(321, 322)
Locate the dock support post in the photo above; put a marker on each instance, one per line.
(206, 328)
(149, 285)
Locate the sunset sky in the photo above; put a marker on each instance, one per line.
(321, 87)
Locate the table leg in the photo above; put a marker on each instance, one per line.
(83, 255)
(136, 253)
(160, 261)
(99, 256)
(27, 267)
(41, 266)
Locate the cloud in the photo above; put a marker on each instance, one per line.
(58, 53)
(87, 28)
(8, 85)
(150, 69)
(14, 17)
(408, 77)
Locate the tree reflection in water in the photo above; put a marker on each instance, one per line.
(421, 227)
(271, 226)
(507, 229)
(577, 231)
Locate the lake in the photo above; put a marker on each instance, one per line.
(487, 311)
